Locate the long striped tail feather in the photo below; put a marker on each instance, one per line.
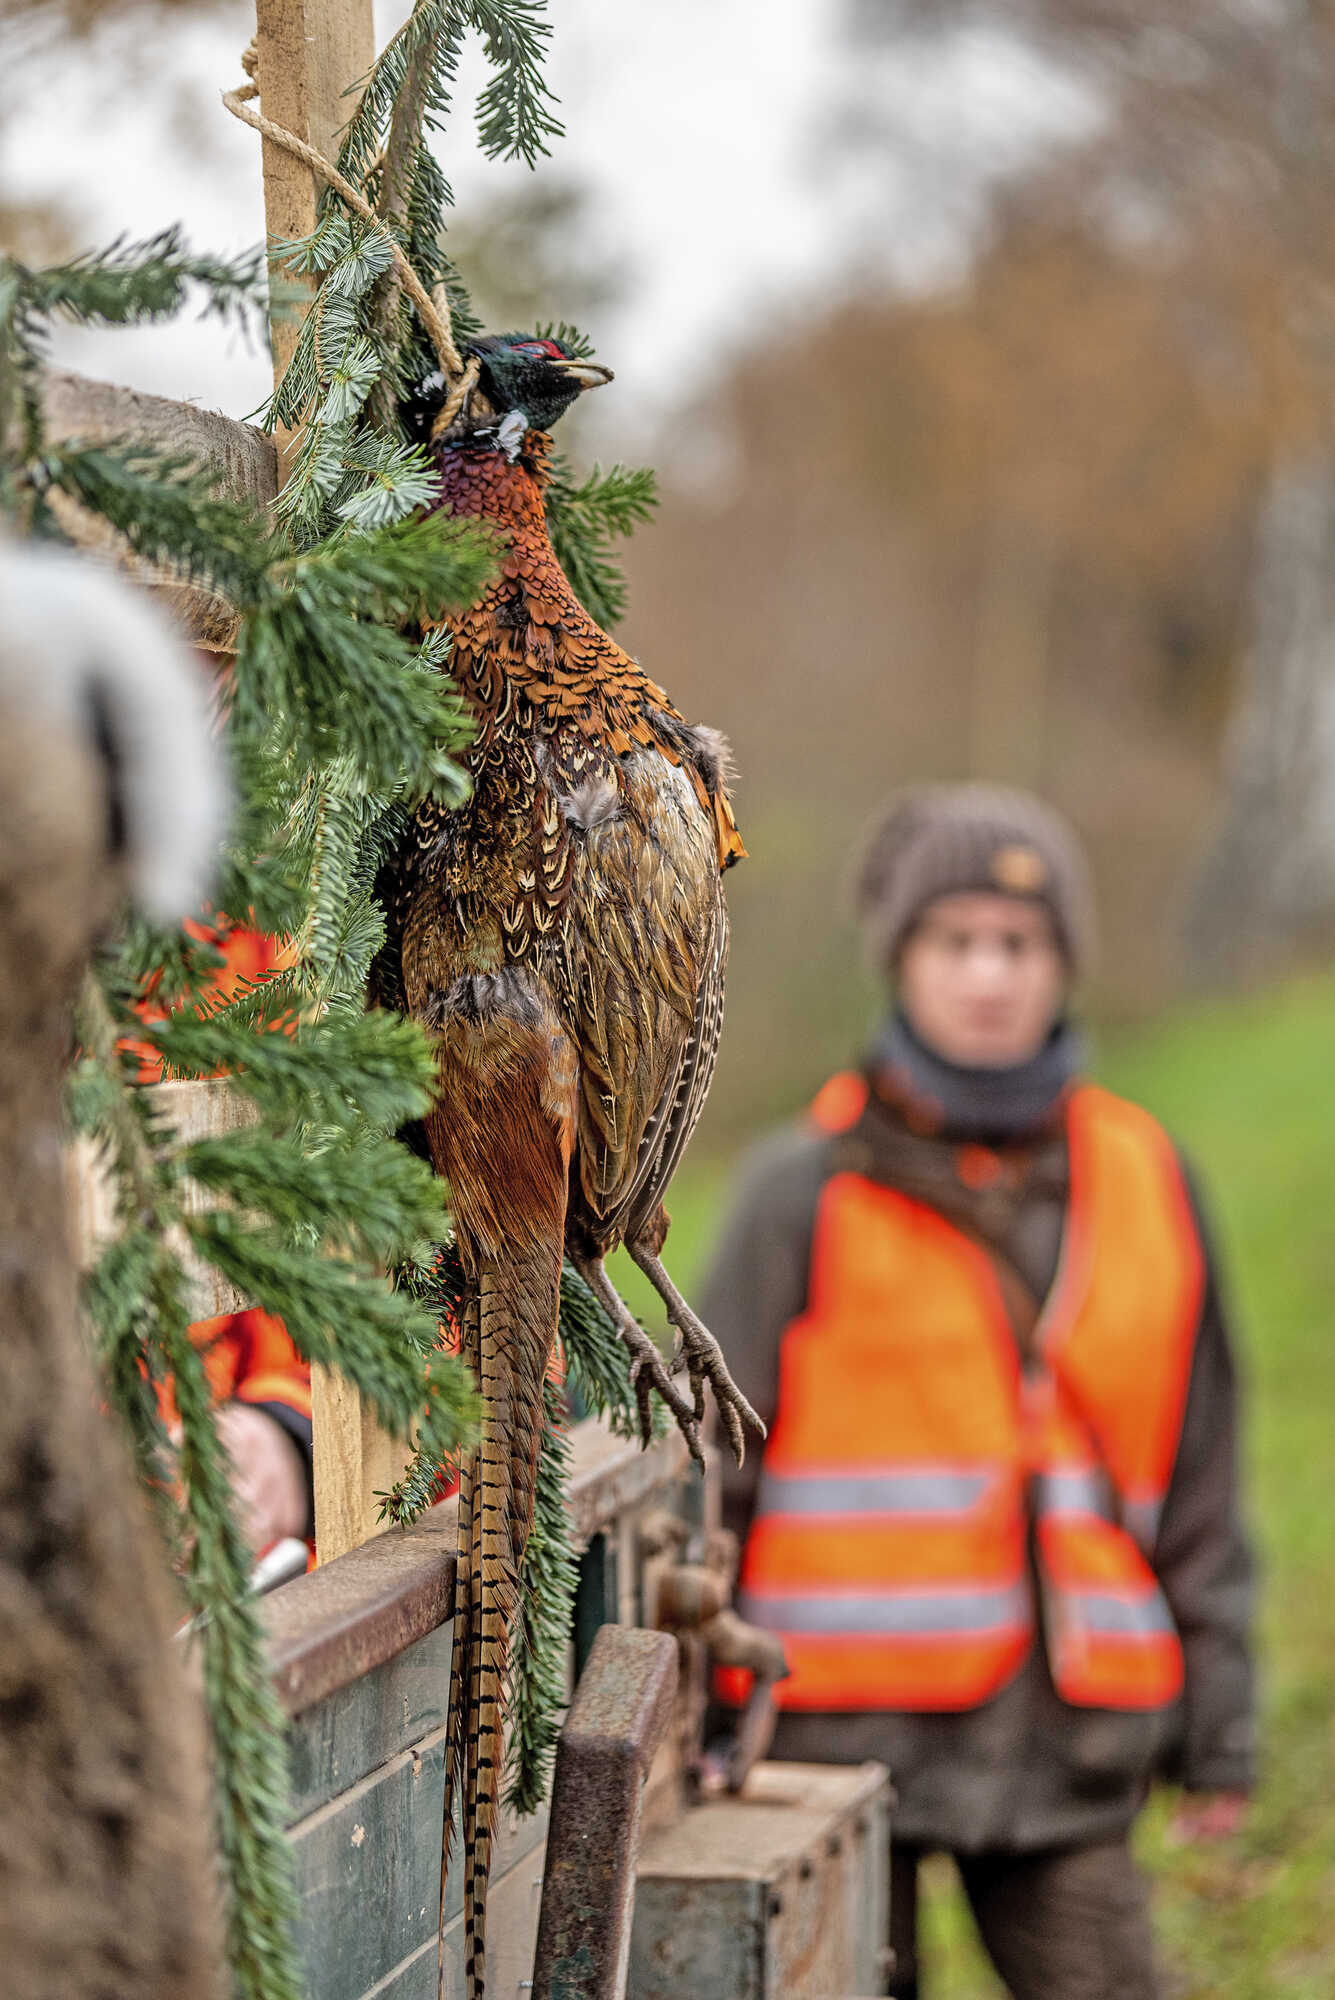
(510, 1327)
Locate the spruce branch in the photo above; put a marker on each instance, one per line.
(393, 204)
(249, 1739)
(547, 1581)
(372, 1196)
(130, 282)
(342, 1070)
(169, 512)
(420, 61)
(514, 114)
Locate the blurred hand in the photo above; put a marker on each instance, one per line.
(268, 1475)
(1207, 1816)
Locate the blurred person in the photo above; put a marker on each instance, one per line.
(996, 1520)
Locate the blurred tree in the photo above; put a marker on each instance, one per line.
(1032, 495)
(81, 17)
(36, 232)
(1022, 542)
(534, 251)
(1214, 174)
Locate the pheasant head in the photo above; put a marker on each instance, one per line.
(539, 379)
(525, 383)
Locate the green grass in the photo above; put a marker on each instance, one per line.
(1245, 1087)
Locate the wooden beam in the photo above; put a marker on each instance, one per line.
(243, 458)
(354, 1459)
(309, 52)
(333, 1627)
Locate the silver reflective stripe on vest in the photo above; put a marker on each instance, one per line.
(886, 1613)
(1089, 1491)
(922, 1490)
(1082, 1490)
(1112, 1612)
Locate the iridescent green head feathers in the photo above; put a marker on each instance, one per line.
(528, 379)
(539, 377)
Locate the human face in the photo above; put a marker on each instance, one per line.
(982, 979)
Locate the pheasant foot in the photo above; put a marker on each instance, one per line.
(702, 1353)
(649, 1371)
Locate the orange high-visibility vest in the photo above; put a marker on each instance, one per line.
(912, 1452)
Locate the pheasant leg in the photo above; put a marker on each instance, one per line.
(704, 1356)
(648, 1370)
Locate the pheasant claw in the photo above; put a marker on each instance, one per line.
(704, 1356)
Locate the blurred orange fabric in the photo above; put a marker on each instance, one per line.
(248, 957)
(248, 1358)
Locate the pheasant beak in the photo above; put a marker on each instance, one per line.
(583, 374)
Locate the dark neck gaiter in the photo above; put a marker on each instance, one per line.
(990, 1106)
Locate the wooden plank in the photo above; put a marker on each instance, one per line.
(368, 1876)
(520, 1837)
(415, 1979)
(360, 1651)
(707, 1939)
(327, 1629)
(611, 1475)
(242, 457)
(195, 1111)
(340, 1741)
(770, 1892)
(368, 1873)
(513, 1899)
(354, 1460)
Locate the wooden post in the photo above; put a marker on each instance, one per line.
(204, 1110)
(309, 52)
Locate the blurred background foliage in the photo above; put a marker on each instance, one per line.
(1069, 522)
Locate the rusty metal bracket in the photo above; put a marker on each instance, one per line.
(621, 1712)
(694, 1600)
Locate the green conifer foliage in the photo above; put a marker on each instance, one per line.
(339, 715)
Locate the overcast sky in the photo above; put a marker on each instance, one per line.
(739, 161)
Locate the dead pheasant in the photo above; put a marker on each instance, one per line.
(564, 934)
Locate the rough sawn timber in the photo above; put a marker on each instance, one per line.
(243, 459)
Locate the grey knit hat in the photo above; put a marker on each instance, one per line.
(940, 840)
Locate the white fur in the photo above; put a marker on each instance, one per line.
(69, 628)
